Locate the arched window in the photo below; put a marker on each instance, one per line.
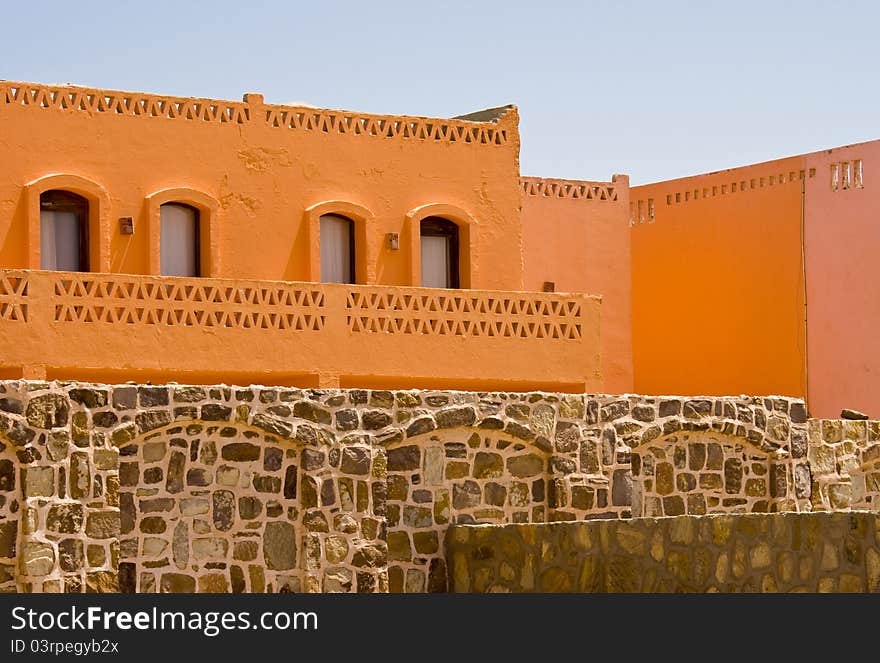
(64, 231)
(337, 249)
(179, 240)
(439, 253)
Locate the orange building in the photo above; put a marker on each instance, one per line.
(761, 279)
(156, 238)
(194, 240)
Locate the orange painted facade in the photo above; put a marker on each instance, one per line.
(718, 283)
(576, 237)
(761, 280)
(260, 177)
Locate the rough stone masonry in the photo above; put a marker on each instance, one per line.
(181, 488)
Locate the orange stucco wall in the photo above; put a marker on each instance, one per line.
(576, 235)
(843, 282)
(717, 282)
(264, 178)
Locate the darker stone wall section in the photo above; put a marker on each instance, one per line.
(789, 552)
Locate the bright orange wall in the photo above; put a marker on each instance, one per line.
(576, 235)
(717, 283)
(264, 178)
(843, 279)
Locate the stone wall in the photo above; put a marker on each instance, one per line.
(845, 461)
(216, 488)
(786, 552)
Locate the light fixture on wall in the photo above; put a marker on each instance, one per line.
(393, 241)
(549, 286)
(126, 225)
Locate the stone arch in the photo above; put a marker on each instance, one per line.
(696, 472)
(209, 506)
(455, 475)
(771, 427)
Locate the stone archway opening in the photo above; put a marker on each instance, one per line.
(209, 508)
(456, 476)
(702, 472)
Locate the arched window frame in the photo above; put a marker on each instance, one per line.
(209, 239)
(98, 230)
(466, 240)
(364, 252)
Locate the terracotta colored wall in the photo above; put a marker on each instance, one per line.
(576, 235)
(717, 283)
(843, 281)
(263, 177)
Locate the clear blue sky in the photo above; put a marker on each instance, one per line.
(653, 89)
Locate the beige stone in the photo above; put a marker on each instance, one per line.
(106, 459)
(228, 476)
(336, 548)
(180, 545)
(434, 460)
(153, 546)
(154, 451)
(337, 580)
(415, 581)
(209, 548)
(39, 481)
(37, 559)
(194, 506)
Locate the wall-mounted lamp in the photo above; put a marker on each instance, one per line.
(393, 241)
(126, 225)
(549, 286)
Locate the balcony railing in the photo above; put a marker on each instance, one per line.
(104, 326)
